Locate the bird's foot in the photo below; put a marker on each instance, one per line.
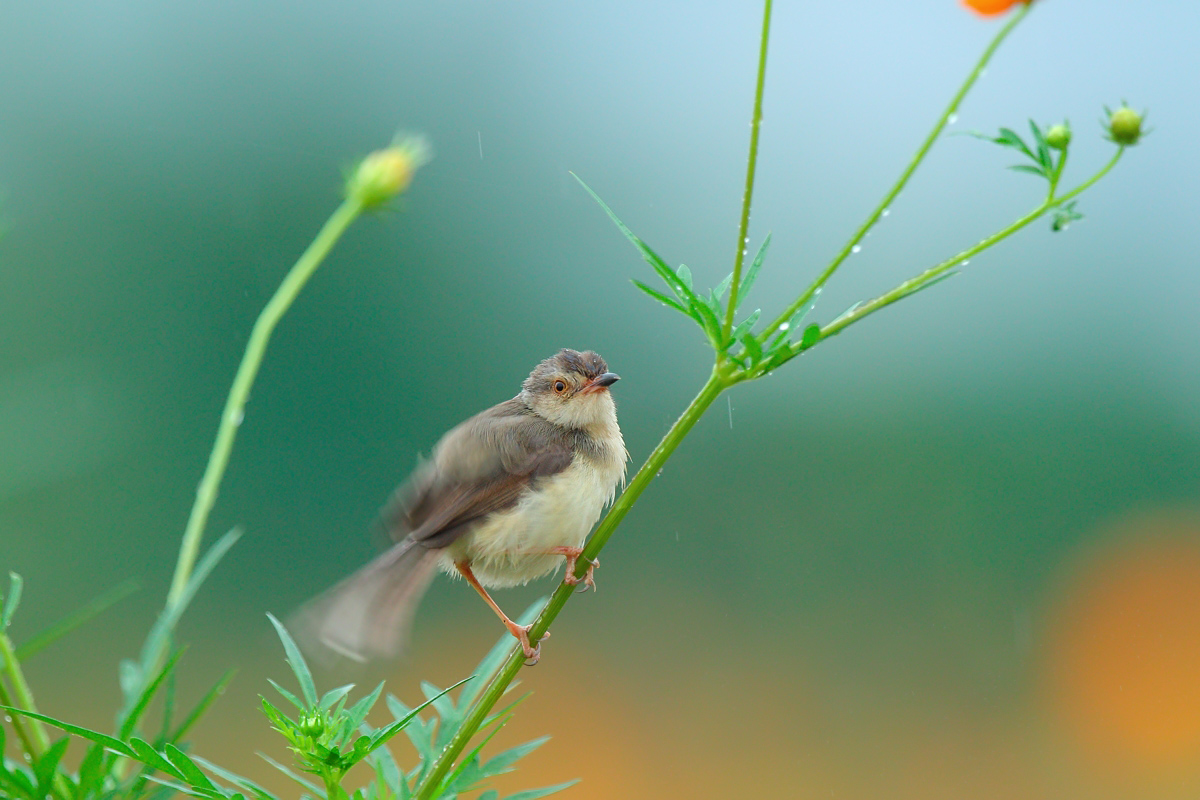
(573, 554)
(521, 633)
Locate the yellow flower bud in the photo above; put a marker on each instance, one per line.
(386, 173)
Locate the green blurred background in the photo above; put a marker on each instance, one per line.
(950, 553)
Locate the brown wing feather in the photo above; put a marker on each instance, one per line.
(483, 465)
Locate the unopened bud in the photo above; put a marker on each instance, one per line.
(386, 173)
(1125, 126)
(1059, 136)
(312, 725)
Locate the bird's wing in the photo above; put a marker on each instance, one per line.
(483, 465)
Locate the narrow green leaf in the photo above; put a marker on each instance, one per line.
(297, 663)
(143, 700)
(176, 787)
(685, 276)
(442, 703)
(1032, 170)
(812, 335)
(91, 776)
(662, 298)
(143, 752)
(277, 718)
(11, 600)
(753, 349)
(752, 273)
(191, 773)
(1043, 156)
(503, 762)
(534, 794)
(709, 322)
(46, 767)
(358, 712)
(333, 695)
(22, 784)
(235, 779)
(928, 284)
(720, 289)
(300, 779)
(291, 698)
(75, 619)
(744, 326)
(1009, 138)
(216, 691)
(84, 733)
(653, 259)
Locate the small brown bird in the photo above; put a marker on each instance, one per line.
(504, 496)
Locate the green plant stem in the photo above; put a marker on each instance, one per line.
(717, 382)
(755, 125)
(913, 284)
(32, 735)
(875, 215)
(235, 404)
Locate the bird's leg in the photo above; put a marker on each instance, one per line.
(573, 554)
(520, 632)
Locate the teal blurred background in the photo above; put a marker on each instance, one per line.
(950, 553)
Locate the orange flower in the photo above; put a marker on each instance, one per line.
(990, 8)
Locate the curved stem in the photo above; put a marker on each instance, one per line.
(874, 216)
(235, 404)
(495, 690)
(743, 228)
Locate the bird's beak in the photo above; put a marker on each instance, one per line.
(601, 382)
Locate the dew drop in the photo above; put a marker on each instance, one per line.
(968, 261)
(236, 417)
(784, 326)
(953, 118)
(885, 212)
(856, 248)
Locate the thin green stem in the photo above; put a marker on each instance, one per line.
(235, 404)
(875, 215)
(30, 731)
(717, 382)
(916, 282)
(752, 162)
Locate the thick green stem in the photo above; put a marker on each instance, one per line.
(755, 123)
(875, 215)
(716, 383)
(31, 733)
(235, 404)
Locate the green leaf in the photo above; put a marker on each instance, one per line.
(191, 773)
(1032, 170)
(46, 767)
(651, 258)
(708, 321)
(1043, 156)
(534, 794)
(1009, 138)
(662, 298)
(358, 712)
(442, 703)
(812, 335)
(752, 274)
(143, 700)
(685, 276)
(300, 779)
(381, 736)
(84, 733)
(753, 349)
(143, 752)
(297, 663)
(216, 691)
(927, 284)
(75, 619)
(291, 698)
(333, 696)
(11, 600)
(503, 762)
(91, 776)
(744, 326)
(719, 290)
(235, 779)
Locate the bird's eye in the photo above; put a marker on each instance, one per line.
(559, 387)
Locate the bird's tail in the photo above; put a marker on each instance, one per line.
(367, 615)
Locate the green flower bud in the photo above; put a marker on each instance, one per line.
(1059, 136)
(1125, 126)
(312, 724)
(386, 173)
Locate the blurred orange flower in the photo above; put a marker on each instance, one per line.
(990, 8)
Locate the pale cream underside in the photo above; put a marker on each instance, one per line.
(508, 549)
